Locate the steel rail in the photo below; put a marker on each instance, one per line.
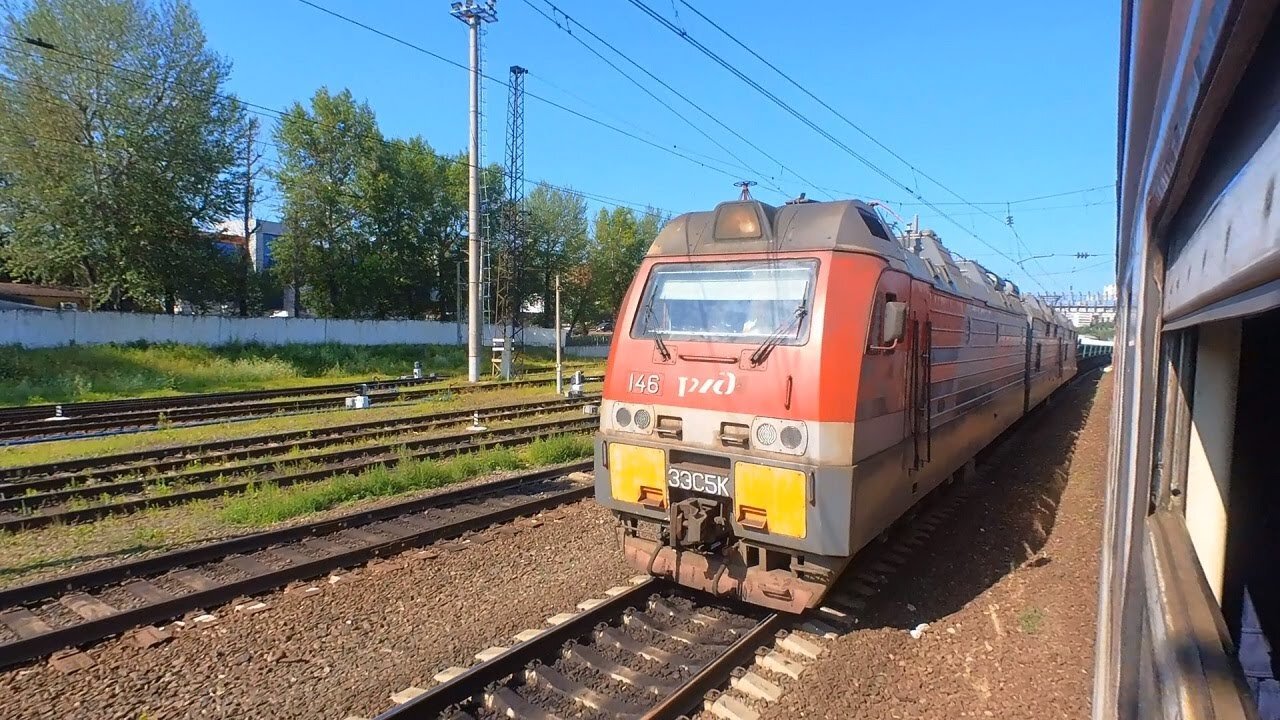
(716, 673)
(266, 465)
(390, 456)
(40, 412)
(138, 421)
(434, 702)
(146, 416)
(466, 686)
(177, 457)
(89, 579)
(92, 630)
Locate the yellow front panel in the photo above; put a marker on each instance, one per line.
(638, 474)
(769, 499)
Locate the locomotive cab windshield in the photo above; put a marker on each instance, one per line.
(743, 301)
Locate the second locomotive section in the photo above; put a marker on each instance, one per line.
(784, 383)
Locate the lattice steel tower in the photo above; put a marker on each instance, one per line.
(514, 255)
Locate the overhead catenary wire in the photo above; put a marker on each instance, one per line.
(672, 150)
(278, 114)
(1076, 206)
(914, 169)
(606, 112)
(1073, 271)
(787, 107)
(834, 111)
(573, 21)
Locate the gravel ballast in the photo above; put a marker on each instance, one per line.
(1008, 587)
(345, 649)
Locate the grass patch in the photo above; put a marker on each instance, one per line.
(266, 504)
(104, 372)
(1031, 620)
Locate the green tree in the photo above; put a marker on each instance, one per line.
(413, 214)
(557, 222)
(1100, 330)
(117, 142)
(324, 153)
(621, 240)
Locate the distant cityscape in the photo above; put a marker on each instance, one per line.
(1086, 308)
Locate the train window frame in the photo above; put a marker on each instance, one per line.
(875, 329)
(800, 338)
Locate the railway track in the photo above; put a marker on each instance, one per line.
(19, 481)
(31, 510)
(173, 402)
(138, 420)
(81, 608)
(656, 650)
(652, 651)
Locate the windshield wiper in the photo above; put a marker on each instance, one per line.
(762, 353)
(657, 338)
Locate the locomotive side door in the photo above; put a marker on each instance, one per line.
(919, 374)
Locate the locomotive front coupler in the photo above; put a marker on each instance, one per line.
(698, 522)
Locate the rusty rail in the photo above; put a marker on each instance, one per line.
(382, 531)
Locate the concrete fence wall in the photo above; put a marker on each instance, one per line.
(54, 329)
(591, 351)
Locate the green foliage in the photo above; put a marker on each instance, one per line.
(325, 153)
(375, 226)
(116, 146)
(99, 372)
(559, 449)
(1101, 331)
(266, 504)
(621, 240)
(120, 150)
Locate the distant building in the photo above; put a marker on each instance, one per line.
(260, 241)
(264, 233)
(231, 245)
(1085, 308)
(49, 297)
(1086, 315)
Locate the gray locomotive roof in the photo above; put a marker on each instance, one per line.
(844, 225)
(803, 226)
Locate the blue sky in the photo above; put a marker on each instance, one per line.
(1001, 101)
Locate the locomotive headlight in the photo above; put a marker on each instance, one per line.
(766, 434)
(791, 437)
(781, 436)
(633, 418)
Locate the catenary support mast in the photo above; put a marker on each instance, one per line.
(474, 14)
